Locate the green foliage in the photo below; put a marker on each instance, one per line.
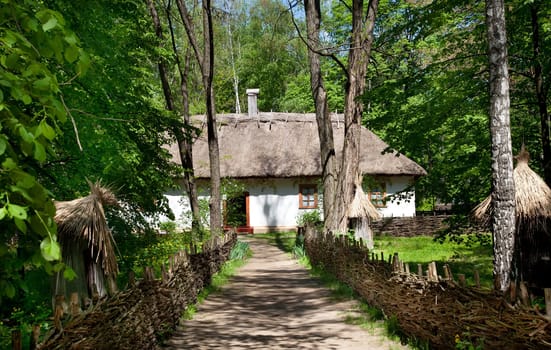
(437, 115)
(158, 251)
(38, 54)
(240, 251)
(234, 191)
(466, 342)
(168, 227)
(310, 217)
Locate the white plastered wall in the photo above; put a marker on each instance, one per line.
(399, 203)
(274, 203)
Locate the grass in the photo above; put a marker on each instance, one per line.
(460, 257)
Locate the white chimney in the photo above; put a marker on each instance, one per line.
(252, 95)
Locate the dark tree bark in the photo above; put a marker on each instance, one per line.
(323, 117)
(184, 143)
(541, 94)
(337, 201)
(205, 60)
(358, 59)
(503, 194)
(185, 140)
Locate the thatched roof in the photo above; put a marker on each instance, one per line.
(532, 196)
(286, 145)
(84, 219)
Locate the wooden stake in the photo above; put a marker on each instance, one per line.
(131, 279)
(513, 291)
(476, 279)
(524, 296)
(35, 335)
(148, 273)
(433, 272)
(446, 273)
(58, 311)
(420, 270)
(461, 278)
(16, 339)
(547, 292)
(406, 267)
(75, 304)
(395, 263)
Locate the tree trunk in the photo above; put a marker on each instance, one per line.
(340, 189)
(358, 59)
(503, 194)
(323, 117)
(214, 155)
(185, 141)
(541, 95)
(184, 147)
(206, 63)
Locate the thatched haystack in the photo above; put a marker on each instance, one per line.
(360, 214)
(533, 219)
(87, 245)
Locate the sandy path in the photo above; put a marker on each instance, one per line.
(272, 303)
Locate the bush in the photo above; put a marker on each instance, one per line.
(312, 217)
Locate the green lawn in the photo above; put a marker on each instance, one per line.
(422, 250)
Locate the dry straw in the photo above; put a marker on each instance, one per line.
(532, 198)
(85, 237)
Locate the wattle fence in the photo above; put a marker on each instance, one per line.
(429, 307)
(410, 226)
(146, 312)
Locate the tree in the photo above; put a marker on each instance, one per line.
(337, 198)
(503, 187)
(431, 62)
(205, 59)
(38, 54)
(184, 141)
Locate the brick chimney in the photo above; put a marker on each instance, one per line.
(252, 96)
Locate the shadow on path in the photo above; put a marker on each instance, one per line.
(272, 303)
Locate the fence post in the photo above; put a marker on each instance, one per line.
(461, 278)
(35, 335)
(58, 311)
(16, 339)
(476, 278)
(524, 296)
(547, 292)
(75, 304)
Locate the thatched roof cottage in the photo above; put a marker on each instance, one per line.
(276, 156)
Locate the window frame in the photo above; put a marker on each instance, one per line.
(303, 187)
(383, 194)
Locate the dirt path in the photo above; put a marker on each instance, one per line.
(272, 303)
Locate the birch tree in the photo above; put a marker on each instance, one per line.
(503, 194)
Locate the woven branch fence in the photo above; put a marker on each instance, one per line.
(429, 307)
(143, 314)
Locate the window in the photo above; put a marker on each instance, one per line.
(377, 195)
(307, 196)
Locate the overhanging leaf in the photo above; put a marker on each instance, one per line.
(50, 249)
(17, 211)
